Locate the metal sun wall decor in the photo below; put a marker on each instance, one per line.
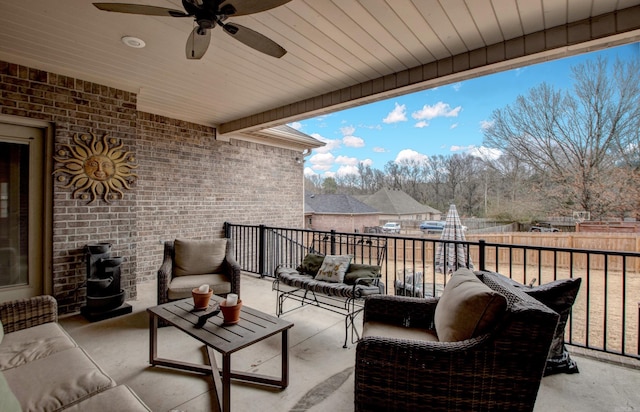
(95, 169)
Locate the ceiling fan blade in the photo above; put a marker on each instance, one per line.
(243, 7)
(140, 9)
(197, 43)
(254, 40)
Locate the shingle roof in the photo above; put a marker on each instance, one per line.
(336, 204)
(396, 202)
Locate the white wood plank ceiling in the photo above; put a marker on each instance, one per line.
(340, 52)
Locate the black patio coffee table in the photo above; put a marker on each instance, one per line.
(253, 327)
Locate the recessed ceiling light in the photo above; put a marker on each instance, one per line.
(134, 42)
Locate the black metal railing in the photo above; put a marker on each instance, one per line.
(605, 316)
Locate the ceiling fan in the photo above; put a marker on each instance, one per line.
(207, 14)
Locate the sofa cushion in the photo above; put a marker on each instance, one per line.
(387, 330)
(195, 257)
(181, 286)
(311, 264)
(358, 271)
(58, 380)
(33, 343)
(467, 308)
(120, 398)
(333, 268)
(8, 401)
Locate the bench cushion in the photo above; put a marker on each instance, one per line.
(292, 277)
(119, 398)
(36, 342)
(60, 379)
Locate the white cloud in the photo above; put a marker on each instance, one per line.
(453, 126)
(486, 124)
(347, 161)
(379, 149)
(421, 124)
(347, 170)
(296, 125)
(352, 141)
(347, 130)
(309, 172)
(485, 153)
(329, 174)
(482, 152)
(367, 162)
(398, 114)
(410, 155)
(439, 109)
(330, 144)
(322, 161)
(456, 86)
(370, 126)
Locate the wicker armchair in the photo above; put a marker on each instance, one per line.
(496, 371)
(171, 286)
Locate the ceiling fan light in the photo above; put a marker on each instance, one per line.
(134, 42)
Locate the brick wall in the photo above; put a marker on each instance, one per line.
(188, 183)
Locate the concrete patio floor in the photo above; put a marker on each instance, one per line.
(321, 371)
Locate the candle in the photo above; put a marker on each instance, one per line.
(232, 299)
(204, 289)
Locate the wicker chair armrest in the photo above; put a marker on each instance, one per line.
(400, 310)
(24, 313)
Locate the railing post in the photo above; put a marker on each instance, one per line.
(333, 242)
(481, 251)
(262, 244)
(227, 230)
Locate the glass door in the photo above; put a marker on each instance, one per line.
(21, 211)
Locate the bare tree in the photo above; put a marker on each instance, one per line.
(577, 141)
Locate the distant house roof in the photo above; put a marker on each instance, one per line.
(396, 202)
(336, 204)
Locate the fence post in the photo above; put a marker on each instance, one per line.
(481, 252)
(333, 241)
(227, 230)
(261, 249)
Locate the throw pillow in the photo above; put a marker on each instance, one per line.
(310, 264)
(467, 308)
(333, 268)
(198, 257)
(357, 271)
(560, 296)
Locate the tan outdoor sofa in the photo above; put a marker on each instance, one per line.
(43, 369)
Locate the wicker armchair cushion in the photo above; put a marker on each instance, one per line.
(358, 271)
(334, 268)
(391, 331)
(196, 257)
(467, 308)
(311, 264)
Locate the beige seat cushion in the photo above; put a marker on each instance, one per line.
(195, 257)
(26, 345)
(181, 286)
(60, 379)
(467, 308)
(120, 398)
(386, 330)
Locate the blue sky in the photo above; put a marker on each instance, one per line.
(444, 120)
